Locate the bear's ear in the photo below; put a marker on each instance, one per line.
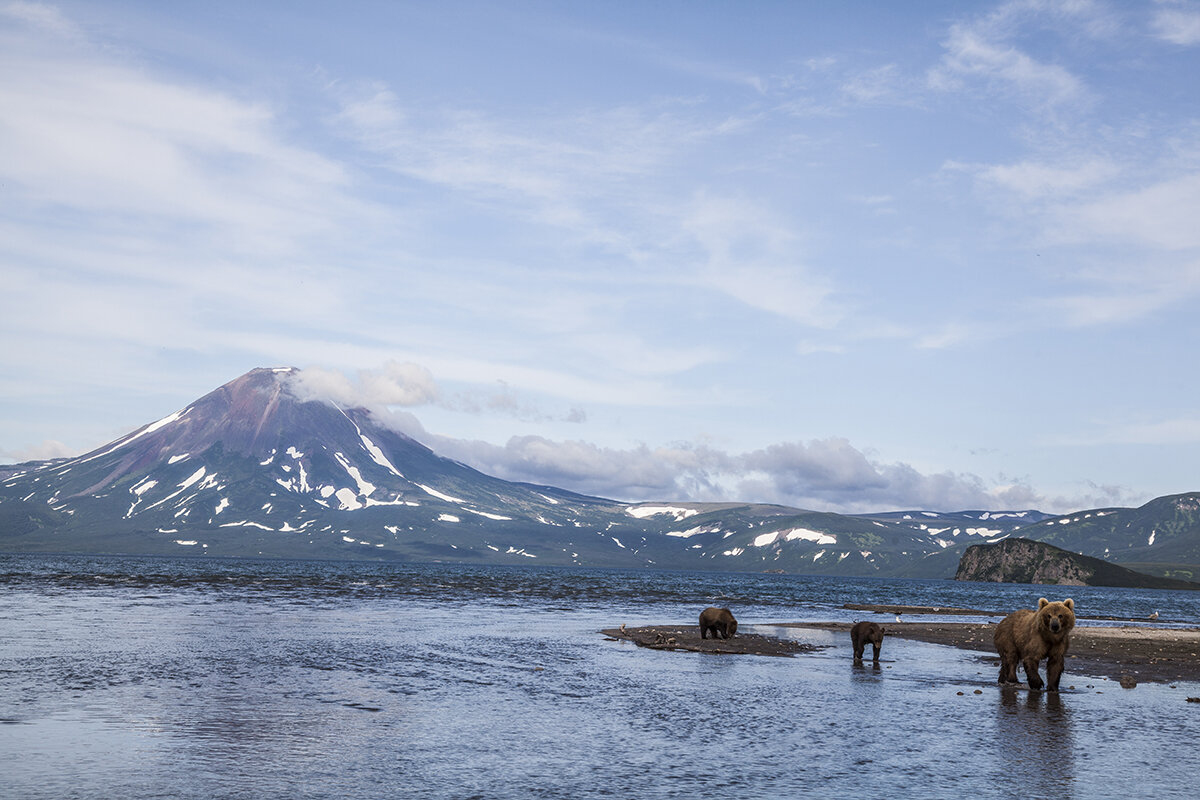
(1069, 603)
(1042, 603)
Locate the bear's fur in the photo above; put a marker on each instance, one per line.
(718, 620)
(864, 632)
(1026, 637)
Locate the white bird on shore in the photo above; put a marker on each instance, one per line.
(897, 616)
(1154, 615)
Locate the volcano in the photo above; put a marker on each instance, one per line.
(251, 469)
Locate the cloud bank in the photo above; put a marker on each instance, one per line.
(821, 475)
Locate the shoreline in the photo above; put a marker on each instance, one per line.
(1128, 654)
(1140, 653)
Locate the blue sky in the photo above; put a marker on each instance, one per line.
(843, 256)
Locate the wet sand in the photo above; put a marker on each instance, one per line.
(687, 637)
(1143, 653)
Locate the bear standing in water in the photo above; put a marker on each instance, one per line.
(1027, 636)
(864, 632)
(718, 620)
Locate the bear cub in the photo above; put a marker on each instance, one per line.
(1026, 637)
(718, 620)
(864, 632)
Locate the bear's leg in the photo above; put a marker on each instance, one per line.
(704, 632)
(1031, 672)
(1008, 667)
(1054, 671)
(876, 658)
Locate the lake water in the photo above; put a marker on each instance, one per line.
(203, 678)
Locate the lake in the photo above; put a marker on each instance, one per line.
(203, 678)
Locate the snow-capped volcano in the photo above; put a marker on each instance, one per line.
(252, 456)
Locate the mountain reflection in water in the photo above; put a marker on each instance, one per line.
(153, 677)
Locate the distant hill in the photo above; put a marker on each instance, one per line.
(1026, 561)
(1162, 536)
(253, 469)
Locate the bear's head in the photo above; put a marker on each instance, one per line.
(1056, 618)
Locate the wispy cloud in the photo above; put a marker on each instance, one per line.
(1177, 22)
(88, 133)
(1181, 431)
(1161, 215)
(986, 48)
(50, 448)
(1038, 180)
(758, 261)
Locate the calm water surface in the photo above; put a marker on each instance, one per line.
(205, 678)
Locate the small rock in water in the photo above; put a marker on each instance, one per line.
(979, 691)
(1128, 681)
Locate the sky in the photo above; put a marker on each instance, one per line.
(852, 257)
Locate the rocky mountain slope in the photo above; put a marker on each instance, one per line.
(1161, 537)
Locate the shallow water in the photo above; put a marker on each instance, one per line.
(206, 678)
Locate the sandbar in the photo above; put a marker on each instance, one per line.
(1143, 653)
(687, 638)
(1135, 653)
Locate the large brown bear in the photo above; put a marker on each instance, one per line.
(864, 632)
(719, 621)
(1026, 637)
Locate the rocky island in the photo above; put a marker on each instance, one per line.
(1026, 561)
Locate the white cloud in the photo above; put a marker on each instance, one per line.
(755, 259)
(47, 449)
(986, 49)
(402, 384)
(883, 84)
(824, 475)
(88, 133)
(1119, 307)
(1161, 215)
(1177, 23)
(970, 55)
(1033, 180)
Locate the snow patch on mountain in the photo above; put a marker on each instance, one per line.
(441, 496)
(695, 531)
(486, 514)
(791, 535)
(151, 428)
(348, 499)
(365, 487)
(641, 512)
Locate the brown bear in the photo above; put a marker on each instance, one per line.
(718, 620)
(864, 632)
(1026, 637)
